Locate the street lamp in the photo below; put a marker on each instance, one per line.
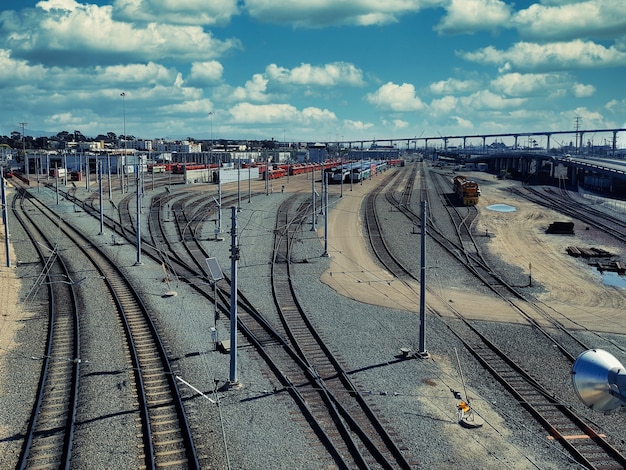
(23, 124)
(211, 144)
(123, 95)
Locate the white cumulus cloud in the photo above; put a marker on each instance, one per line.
(333, 74)
(278, 113)
(530, 84)
(190, 12)
(581, 90)
(396, 97)
(570, 20)
(304, 13)
(66, 32)
(555, 56)
(205, 72)
(488, 100)
(453, 86)
(469, 16)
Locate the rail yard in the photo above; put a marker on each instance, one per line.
(135, 346)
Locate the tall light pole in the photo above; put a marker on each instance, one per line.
(23, 124)
(211, 144)
(99, 167)
(218, 229)
(422, 353)
(138, 261)
(123, 95)
(219, 200)
(234, 263)
(5, 219)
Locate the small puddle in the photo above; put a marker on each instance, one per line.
(613, 279)
(501, 208)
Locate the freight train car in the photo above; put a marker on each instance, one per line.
(156, 168)
(272, 173)
(467, 191)
(180, 168)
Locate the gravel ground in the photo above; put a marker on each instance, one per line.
(253, 427)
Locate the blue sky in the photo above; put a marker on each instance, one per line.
(311, 70)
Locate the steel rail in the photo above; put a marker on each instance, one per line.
(370, 439)
(48, 440)
(164, 444)
(527, 391)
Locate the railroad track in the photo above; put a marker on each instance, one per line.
(48, 439)
(356, 433)
(165, 437)
(293, 371)
(568, 344)
(587, 213)
(586, 445)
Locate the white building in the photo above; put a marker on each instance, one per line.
(178, 146)
(145, 145)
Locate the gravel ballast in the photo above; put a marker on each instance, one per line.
(254, 426)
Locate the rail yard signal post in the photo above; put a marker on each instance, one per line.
(234, 263)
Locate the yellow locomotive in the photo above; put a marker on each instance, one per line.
(467, 191)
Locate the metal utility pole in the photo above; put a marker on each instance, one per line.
(326, 176)
(109, 174)
(577, 124)
(341, 182)
(219, 197)
(313, 199)
(87, 173)
(123, 95)
(138, 241)
(56, 181)
(422, 353)
(238, 185)
(234, 262)
(211, 147)
(100, 194)
(5, 219)
(267, 174)
(64, 168)
(38, 172)
(23, 124)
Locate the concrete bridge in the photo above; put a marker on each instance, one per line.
(485, 141)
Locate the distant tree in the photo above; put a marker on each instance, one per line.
(41, 142)
(63, 136)
(112, 136)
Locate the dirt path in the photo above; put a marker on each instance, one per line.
(574, 292)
